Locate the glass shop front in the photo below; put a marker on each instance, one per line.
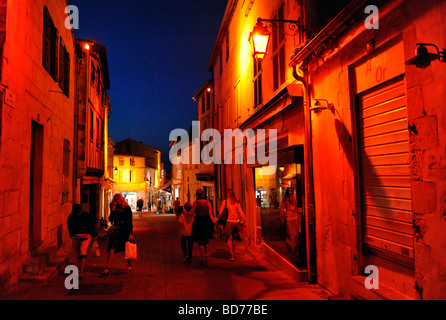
(279, 198)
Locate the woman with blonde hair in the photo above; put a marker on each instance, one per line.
(121, 230)
(233, 228)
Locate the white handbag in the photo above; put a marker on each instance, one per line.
(130, 251)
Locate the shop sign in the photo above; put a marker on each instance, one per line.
(380, 68)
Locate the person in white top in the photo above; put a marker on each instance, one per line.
(233, 229)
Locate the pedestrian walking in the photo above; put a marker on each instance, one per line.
(176, 207)
(203, 226)
(234, 227)
(186, 221)
(140, 204)
(121, 230)
(81, 229)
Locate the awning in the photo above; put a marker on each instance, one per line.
(107, 184)
(292, 154)
(167, 187)
(94, 172)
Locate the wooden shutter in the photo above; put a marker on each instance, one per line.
(385, 174)
(62, 65)
(46, 50)
(278, 49)
(54, 65)
(67, 73)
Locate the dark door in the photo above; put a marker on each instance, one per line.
(35, 192)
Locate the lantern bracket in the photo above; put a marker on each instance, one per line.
(293, 25)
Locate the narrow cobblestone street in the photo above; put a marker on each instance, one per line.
(159, 273)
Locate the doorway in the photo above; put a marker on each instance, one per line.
(35, 185)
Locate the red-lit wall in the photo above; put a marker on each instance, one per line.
(341, 251)
(38, 98)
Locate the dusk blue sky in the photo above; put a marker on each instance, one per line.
(158, 53)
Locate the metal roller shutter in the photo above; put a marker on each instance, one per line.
(385, 174)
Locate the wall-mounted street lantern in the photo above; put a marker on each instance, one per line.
(423, 57)
(259, 39)
(260, 35)
(116, 170)
(318, 106)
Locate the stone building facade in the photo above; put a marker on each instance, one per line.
(360, 135)
(37, 132)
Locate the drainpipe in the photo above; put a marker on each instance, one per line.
(75, 198)
(309, 211)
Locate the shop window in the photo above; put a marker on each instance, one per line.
(279, 198)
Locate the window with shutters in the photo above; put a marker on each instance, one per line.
(91, 125)
(98, 133)
(93, 73)
(278, 49)
(55, 57)
(203, 106)
(50, 46)
(67, 73)
(257, 83)
(64, 68)
(208, 101)
(62, 65)
(102, 135)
